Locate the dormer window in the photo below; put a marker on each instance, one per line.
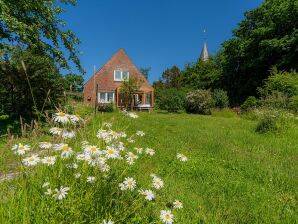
(120, 75)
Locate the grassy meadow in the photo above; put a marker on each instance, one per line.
(233, 174)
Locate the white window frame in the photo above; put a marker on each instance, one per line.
(106, 97)
(121, 72)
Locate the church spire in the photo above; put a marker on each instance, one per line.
(204, 54)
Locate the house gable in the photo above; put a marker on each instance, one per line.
(104, 77)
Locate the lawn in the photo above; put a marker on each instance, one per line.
(233, 175)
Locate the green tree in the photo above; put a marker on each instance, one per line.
(74, 82)
(128, 87)
(35, 25)
(172, 78)
(202, 75)
(267, 36)
(40, 86)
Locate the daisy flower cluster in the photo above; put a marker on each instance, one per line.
(130, 114)
(93, 163)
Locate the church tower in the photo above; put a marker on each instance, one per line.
(204, 54)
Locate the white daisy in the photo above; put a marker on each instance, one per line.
(92, 159)
(48, 192)
(177, 204)
(31, 160)
(130, 140)
(61, 117)
(91, 180)
(92, 149)
(139, 150)
(107, 124)
(49, 160)
(108, 222)
(104, 168)
(75, 118)
(140, 133)
(149, 195)
(122, 187)
(149, 151)
(111, 153)
(77, 175)
(45, 184)
(61, 193)
(129, 183)
(20, 149)
(157, 183)
(182, 157)
(55, 130)
(130, 158)
(45, 145)
(68, 134)
(166, 216)
(81, 156)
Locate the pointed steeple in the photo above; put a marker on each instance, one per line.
(204, 54)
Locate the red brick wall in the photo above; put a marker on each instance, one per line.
(105, 76)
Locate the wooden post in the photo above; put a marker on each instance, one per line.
(95, 91)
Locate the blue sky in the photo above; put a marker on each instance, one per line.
(154, 33)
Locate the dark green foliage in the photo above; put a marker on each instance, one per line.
(46, 83)
(293, 103)
(202, 75)
(36, 25)
(220, 98)
(171, 100)
(172, 78)
(199, 102)
(250, 103)
(106, 107)
(145, 72)
(74, 83)
(267, 36)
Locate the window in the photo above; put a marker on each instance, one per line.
(120, 75)
(106, 97)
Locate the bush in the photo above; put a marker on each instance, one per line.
(106, 107)
(250, 103)
(293, 104)
(272, 121)
(220, 98)
(199, 102)
(171, 100)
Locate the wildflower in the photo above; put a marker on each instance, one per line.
(45, 184)
(149, 195)
(139, 150)
(61, 193)
(20, 149)
(122, 187)
(68, 134)
(92, 149)
(111, 153)
(77, 175)
(177, 204)
(130, 157)
(91, 180)
(92, 159)
(66, 150)
(55, 131)
(49, 160)
(74, 118)
(107, 124)
(31, 161)
(108, 222)
(166, 216)
(182, 157)
(61, 117)
(157, 183)
(72, 166)
(102, 160)
(129, 183)
(45, 145)
(140, 133)
(104, 168)
(81, 156)
(130, 140)
(48, 192)
(149, 151)
(84, 143)
(123, 134)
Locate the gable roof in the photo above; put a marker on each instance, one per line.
(120, 60)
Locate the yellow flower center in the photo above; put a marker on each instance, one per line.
(129, 183)
(62, 114)
(66, 148)
(21, 147)
(93, 149)
(49, 160)
(167, 216)
(58, 129)
(110, 151)
(31, 159)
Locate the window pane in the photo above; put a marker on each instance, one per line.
(117, 75)
(125, 75)
(102, 96)
(148, 98)
(110, 97)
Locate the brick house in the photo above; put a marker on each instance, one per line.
(107, 81)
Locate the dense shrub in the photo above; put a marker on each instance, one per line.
(199, 101)
(171, 100)
(106, 107)
(250, 103)
(220, 98)
(293, 104)
(272, 121)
